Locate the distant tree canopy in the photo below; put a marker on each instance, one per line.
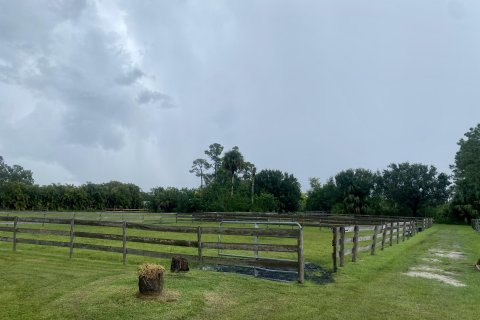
(401, 189)
(14, 173)
(466, 176)
(414, 186)
(322, 197)
(355, 187)
(235, 185)
(283, 186)
(115, 195)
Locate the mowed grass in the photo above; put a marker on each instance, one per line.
(42, 283)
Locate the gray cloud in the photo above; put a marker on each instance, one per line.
(130, 76)
(79, 62)
(148, 96)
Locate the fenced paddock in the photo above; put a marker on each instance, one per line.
(263, 240)
(278, 246)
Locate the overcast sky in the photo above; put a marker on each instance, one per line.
(136, 90)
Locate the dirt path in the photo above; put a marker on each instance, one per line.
(444, 261)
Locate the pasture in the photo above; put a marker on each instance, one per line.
(429, 276)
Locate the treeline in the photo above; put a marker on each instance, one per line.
(228, 182)
(408, 189)
(401, 189)
(58, 197)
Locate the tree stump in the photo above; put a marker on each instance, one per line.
(179, 264)
(148, 285)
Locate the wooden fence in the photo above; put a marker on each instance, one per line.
(12, 226)
(476, 224)
(312, 219)
(371, 238)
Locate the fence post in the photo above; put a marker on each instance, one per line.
(176, 217)
(72, 224)
(398, 232)
(199, 239)
(124, 229)
(15, 221)
(404, 230)
(355, 243)
(334, 245)
(44, 216)
(374, 242)
(301, 258)
(391, 233)
(342, 246)
(384, 236)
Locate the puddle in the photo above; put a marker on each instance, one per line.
(431, 269)
(434, 276)
(428, 271)
(456, 255)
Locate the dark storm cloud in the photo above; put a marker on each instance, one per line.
(64, 53)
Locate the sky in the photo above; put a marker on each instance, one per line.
(134, 91)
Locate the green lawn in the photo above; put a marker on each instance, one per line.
(42, 283)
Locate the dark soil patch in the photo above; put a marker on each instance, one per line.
(313, 273)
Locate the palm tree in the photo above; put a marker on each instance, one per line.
(233, 162)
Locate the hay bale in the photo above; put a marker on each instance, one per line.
(150, 278)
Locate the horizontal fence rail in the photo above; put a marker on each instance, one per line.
(313, 219)
(12, 226)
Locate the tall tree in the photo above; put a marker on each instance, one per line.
(414, 186)
(199, 167)
(214, 152)
(283, 186)
(356, 187)
(233, 162)
(466, 176)
(322, 197)
(249, 171)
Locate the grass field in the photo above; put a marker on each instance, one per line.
(42, 283)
